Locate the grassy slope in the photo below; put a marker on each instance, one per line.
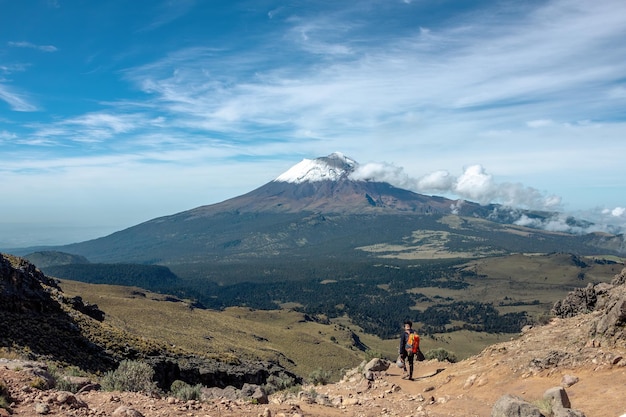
(234, 333)
(287, 337)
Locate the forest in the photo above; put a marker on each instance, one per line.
(375, 296)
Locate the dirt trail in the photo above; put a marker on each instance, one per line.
(526, 367)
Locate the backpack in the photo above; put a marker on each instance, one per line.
(413, 343)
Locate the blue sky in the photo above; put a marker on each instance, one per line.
(115, 112)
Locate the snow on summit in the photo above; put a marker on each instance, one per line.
(330, 168)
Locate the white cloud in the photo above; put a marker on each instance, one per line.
(17, 101)
(616, 212)
(44, 48)
(540, 123)
(474, 184)
(481, 90)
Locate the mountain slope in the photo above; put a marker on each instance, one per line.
(317, 211)
(576, 353)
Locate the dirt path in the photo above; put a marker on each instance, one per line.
(525, 367)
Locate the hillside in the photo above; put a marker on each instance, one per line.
(582, 352)
(39, 321)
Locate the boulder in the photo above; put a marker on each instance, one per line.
(513, 406)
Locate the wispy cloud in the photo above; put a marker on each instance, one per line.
(169, 11)
(23, 44)
(17, 101)
(90, 128)
(476, 105)
(494, 64)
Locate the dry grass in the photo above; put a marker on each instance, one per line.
(235, 333)
(304, 346)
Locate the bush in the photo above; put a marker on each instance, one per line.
(58, 376)
(39, 383)
(4, 396)
(441, 355)
(280, 382)
(130, 376)
(185, 392)
(319, 377)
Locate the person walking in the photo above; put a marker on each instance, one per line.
(407, 352)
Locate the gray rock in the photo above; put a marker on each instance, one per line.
(568, 380)
(41, 408)
(579, 301)
(558, 397)
(123, 411)
(513, 406)
(561, 406)
(377, 365)
(260, 396)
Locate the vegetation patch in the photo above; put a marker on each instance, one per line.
(131, 376)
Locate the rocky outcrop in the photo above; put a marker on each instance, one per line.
(210, 373)
(556, 398)
(37, 317)
(22, 287)
(608, 300)
(579, 301)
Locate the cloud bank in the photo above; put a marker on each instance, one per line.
(477, 185)
(474, 184)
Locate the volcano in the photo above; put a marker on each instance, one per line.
(320, 210)
(325, 185)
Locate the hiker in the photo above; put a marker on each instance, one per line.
(408, 341)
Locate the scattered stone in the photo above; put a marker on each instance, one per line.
(470, 381)
(41, 408)
(123, 411)
(351, 401)
(568, 380)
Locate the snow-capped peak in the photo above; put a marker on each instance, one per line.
(329, 168)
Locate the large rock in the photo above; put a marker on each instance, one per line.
(22, 287)
(579, 301)
(560, 403)
(608, 299)
(513, 406)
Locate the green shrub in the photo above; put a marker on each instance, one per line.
(4, 396)
(441, 355)
(4, 403)
(185, 392)
(58, 377)
(39, 383)
(319, 377)
(130, 376)
(545, 406)
(63, 384)
(280, 382)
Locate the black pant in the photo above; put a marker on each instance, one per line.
(408, 357)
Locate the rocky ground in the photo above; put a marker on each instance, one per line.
(560, 353)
